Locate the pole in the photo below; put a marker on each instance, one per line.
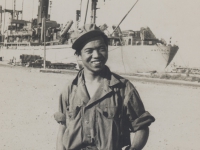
(44, 33)
(50, 5)
(22, 9)
(1, 23)
(14, 10)
(93, 11)
(125, 17)
(86, 12)
(1, 18)
(33, 9)
(4, 22)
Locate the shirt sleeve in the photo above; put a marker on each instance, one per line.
(137, 115)
(60, 116)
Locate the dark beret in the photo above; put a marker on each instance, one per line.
(82, 35)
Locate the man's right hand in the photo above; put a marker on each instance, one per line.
(59, 144)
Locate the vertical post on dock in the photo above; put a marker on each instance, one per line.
(1, 10)
(44, 39)
(3, 39)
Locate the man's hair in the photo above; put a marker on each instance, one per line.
(78, 50)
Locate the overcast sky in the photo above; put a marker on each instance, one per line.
(179, 19)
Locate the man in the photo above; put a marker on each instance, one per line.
(99, 109)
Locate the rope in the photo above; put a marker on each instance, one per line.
(147, 65)
(113, 49)
(162, 50)
(182, 60)
(122, 54)
(125, 16)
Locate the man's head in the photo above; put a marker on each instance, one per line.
(92, 47)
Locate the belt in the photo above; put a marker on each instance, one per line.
(89, 148)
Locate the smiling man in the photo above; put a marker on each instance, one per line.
(99, 109)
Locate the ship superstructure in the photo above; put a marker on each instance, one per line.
(129, 51)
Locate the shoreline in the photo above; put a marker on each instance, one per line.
(134, 77)
(30, 98)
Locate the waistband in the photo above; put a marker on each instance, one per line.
(90, 148)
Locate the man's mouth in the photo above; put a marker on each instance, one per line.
(96, 62)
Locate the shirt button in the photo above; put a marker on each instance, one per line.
(111, 114)
(89, 136)
(87, 122)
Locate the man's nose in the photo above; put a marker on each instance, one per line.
(95, 53)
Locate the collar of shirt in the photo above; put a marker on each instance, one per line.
(109, 80)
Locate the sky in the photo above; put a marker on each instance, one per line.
(178, 19)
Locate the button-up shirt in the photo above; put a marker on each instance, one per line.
(105, 120)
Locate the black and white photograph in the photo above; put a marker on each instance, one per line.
(99, 75)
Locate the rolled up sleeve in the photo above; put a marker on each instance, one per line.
(138, 117)
(60, 116)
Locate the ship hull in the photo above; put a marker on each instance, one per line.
(122, 59)
(136, 59)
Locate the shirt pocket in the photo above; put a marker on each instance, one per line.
(72, 114)
(108, 112)
(72, 137)
(107, 128)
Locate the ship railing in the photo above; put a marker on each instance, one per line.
(15, 45)
(52, 42)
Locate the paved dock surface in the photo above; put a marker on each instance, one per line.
(28, 100)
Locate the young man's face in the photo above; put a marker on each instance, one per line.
(94, 54)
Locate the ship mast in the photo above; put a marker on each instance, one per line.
(14, 9)
(22, 9)
(93, 11)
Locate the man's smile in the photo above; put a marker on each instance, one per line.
(96, 62)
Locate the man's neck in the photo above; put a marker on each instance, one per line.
(92, 81)
(92, 76)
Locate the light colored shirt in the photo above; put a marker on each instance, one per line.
(105, 120)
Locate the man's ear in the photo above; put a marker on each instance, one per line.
(80, 55)
(78, 58)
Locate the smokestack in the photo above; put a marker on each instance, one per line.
(42, 10)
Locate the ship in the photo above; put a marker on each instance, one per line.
(129, 51)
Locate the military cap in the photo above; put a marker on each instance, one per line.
(83, 34)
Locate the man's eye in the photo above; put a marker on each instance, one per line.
(88, 50)
(102, 49)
